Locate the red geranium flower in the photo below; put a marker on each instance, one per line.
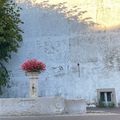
(33, 66)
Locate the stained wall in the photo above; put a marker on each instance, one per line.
(79, 60)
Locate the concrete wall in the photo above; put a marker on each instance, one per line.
(63, 44)
(75, 106)
(27, 106)
(40, 106)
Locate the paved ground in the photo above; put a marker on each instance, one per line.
(104, 110)
(92, 114)
(75, 117)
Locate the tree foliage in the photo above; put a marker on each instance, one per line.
(10, 34)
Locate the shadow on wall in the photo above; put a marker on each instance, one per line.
(73, 16)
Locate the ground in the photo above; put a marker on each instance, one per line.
(92, 114)
(105, 111)
(68, 117)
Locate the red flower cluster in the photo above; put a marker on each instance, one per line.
(33, 66)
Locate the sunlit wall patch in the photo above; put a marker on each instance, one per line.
(103, 12)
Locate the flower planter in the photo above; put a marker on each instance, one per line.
(32, 69)
(33, 83)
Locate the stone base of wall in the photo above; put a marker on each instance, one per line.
(40, 106)
(75, 106)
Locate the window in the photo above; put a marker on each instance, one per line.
(109, 96)
(106, 96)
(102, 96)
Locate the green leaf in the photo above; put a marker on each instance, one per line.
(10, 34)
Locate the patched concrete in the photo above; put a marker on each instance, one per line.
(40, 106)
(75, 106)
(31, 106)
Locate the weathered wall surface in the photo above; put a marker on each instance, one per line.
(28, 106)
(40, 106)
(79, 60)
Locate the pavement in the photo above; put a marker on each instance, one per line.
(92, 114)
(63, 117)
(103, 110)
